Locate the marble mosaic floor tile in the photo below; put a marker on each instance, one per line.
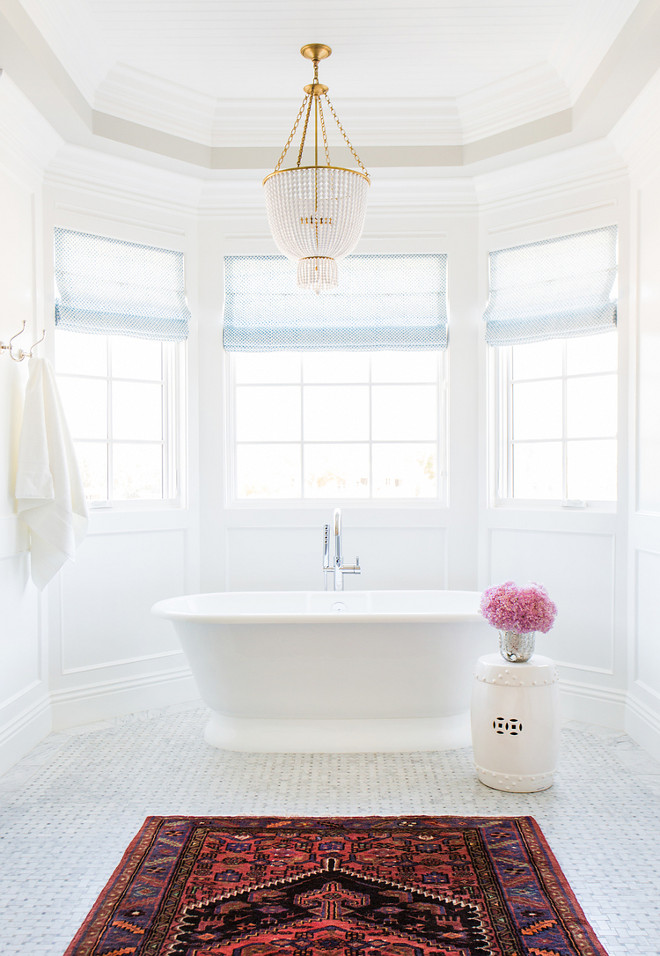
(70, 808)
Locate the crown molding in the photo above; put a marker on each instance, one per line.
(637, 134)
(171, 108)
(424, 133)
(576, 168)
(114, 177)
(476, 130)
(27, 142)
(534, 94)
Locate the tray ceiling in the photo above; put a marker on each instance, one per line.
(217, 83)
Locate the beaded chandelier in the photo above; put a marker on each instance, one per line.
(316, 213)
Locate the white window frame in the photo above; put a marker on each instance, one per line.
(502, 442)
(308, 503)
(173, 363)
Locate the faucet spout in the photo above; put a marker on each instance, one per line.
(336, 524)
(336, 569)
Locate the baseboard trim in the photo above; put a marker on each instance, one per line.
(592, 705)
(643, 725)
(24, 731)
(104, 700)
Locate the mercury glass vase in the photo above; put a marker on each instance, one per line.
(517, 646)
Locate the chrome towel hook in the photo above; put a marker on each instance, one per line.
(17, 354)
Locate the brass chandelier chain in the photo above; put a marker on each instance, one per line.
(316, 91)
(293, 133)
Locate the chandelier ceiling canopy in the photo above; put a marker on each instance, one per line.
(316, 212)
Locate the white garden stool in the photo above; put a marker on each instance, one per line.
(515, 725)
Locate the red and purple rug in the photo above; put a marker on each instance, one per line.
(358, 886)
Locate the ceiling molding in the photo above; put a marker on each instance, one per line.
(27, 142)
(197, 134)
(637, 135)
(574, 169)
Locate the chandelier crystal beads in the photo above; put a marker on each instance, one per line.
(316, 212)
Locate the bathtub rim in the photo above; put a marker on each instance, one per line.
(168, 609)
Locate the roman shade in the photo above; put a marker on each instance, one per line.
(382, 302)
(555, 288)
(112, 287)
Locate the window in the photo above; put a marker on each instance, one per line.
(342, 395)
(119, 398)
(120, 320)
(366, 425)
(557, 420)
(552, 319)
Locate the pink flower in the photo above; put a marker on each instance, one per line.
(511, 608)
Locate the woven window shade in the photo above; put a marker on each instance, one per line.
(111, 287)
(556, 288)
(382, 302)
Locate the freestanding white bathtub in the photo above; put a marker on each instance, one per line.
(333, 671)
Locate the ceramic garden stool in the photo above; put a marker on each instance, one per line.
(515, 723)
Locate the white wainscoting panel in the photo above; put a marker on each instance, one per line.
(578, 571)
(291, 558)
(107, 597)
(648, 349)
(647, 636)
(19, 633)
(24, 701)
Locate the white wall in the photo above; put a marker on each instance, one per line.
(580, 556)
(280, 546)
(643, 719)
(24, 702)
(90, 648)
(108, 654)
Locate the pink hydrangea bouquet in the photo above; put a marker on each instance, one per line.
(523, 609)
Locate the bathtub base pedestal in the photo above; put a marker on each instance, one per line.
(364, 735)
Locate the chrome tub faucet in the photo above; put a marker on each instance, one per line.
(333, 565)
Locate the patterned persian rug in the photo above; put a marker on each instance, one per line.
(359, 886)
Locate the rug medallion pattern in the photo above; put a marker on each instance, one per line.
(360, 886)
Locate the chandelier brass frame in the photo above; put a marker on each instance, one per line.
(316, 212)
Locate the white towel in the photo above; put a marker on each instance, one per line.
(49, 490)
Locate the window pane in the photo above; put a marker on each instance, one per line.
(136, 358)
(137, 471)
(404, 367)
(592, 407)
(405, 470)
(268, 471)
(537, 470)
(85, 406)
(537, 410)
(336, 367)
(592, 353)
(592, 470)
(137, 411)
(76, 353)
(336, 413)
(268, 413)
(404, 412)
(537, 359)
(266, 367)
(92, 460)
(337, 471)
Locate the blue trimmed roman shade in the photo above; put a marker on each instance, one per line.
(552, 289)
(111, 287)
(382, 302)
